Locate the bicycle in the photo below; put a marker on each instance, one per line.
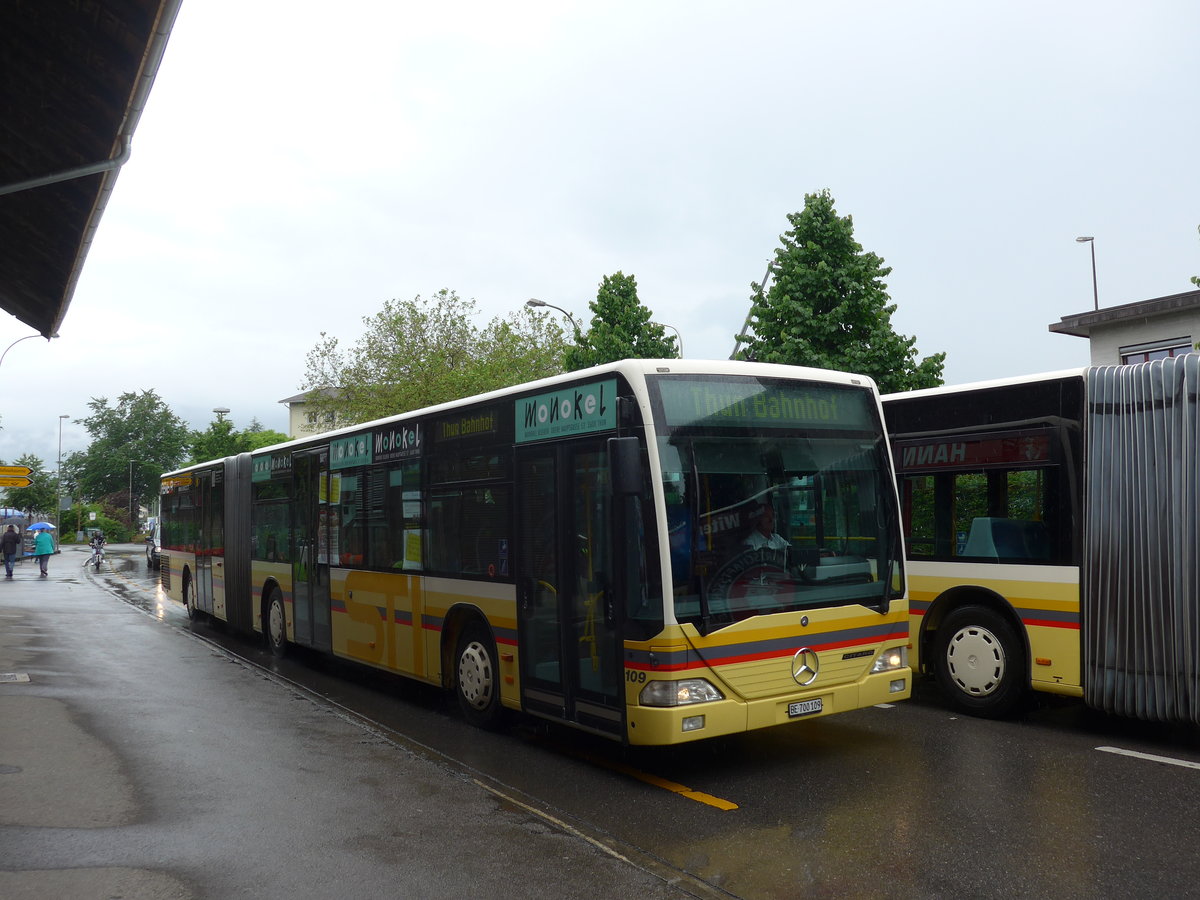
(96, 558)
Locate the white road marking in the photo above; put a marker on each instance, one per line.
(1171, 761)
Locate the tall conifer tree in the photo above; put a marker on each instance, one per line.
(827, 306)
(621, 328)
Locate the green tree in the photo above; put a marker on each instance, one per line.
(417, 353)
(39, 497)
(217, 441)
(256, 436)
(83, 517)
(620, 329)
(132, 443)
(524, 347)
(221, 439)
(827, 306)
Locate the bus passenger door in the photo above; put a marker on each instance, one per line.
(310, 556)
(569, 638)
(202, 588)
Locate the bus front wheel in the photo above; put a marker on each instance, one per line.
(477, 678)
(980, 662)
(276, 624)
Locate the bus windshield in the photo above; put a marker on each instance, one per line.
(779, 498)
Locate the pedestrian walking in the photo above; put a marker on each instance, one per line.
(10, 543)
(43, 546)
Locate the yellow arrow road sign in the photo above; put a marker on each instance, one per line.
(14, 471)
(10, 481)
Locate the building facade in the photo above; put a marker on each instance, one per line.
(1138, 332)
(302, 420)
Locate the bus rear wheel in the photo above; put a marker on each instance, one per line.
(275, 625)
(189, 601)
(477, 678)
(980, 662)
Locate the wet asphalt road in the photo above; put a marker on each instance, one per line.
(906, 801)
(142, 762)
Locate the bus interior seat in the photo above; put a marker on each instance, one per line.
(997, 538)
(804, 556)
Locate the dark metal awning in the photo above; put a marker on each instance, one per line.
(74, 78)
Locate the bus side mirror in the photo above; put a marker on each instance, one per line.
(625, 464)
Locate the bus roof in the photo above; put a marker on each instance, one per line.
(994, 383)
(631, 368)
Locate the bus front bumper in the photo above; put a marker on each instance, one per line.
(682, 724)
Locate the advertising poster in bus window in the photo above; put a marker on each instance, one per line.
(267, 467)
(412, 549)
(402, 441)
(328, 535)
(322, 533)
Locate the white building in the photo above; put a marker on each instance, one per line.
(1138, 332)
(302, 420)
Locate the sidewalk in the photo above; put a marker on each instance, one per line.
(138, 762)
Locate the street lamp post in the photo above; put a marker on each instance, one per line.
(58, 479)
(534, 303)
(1091, 241)
(678, 336)
(17, 341)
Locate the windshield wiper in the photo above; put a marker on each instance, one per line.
(704, 625)
(889, 593)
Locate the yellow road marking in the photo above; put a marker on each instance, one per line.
(655, 781)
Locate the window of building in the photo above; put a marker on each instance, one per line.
(1142, 353)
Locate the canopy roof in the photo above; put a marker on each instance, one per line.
(74, 78)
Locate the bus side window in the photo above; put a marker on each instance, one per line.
(948, 515)
(917, 497)
(468, 531)
(1008, 539)
(351, 540)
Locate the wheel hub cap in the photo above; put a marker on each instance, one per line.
(975, 660)
(475, 676)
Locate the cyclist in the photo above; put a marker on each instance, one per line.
(97, 544)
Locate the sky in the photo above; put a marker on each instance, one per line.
(300, 163)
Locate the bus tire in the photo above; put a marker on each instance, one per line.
(477, 678)
(189, 601)
(980, 662)
(275, 624)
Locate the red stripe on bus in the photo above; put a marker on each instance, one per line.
(752, 657)
(1050, 623)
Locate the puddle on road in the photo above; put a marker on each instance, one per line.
(127, 578)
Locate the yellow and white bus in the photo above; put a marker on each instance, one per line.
(1051, 529)
(578, 548)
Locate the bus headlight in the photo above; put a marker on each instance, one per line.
(891, 660)
(679, 693)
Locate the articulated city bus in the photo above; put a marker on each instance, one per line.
(1051, 529)
(579, 548)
